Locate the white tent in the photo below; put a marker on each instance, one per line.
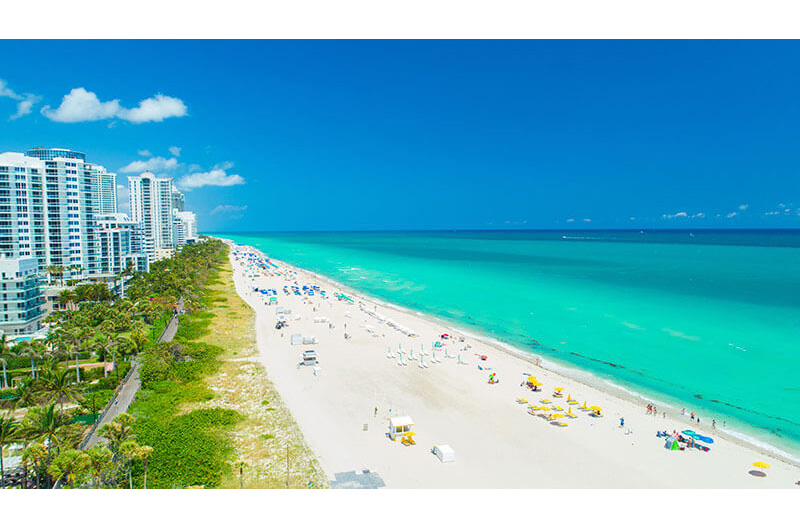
(296, 339)
(309, 340)
(445, 453)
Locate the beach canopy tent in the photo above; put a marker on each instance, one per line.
(309, 339)
(444, 453)
(698, 437)
(297, 339)
(672, 444)
(399, 425)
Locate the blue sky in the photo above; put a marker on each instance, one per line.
(315, 135)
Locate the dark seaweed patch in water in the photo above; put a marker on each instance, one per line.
(700, 396)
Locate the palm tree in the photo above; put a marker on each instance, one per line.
(58, 386)
(46, 424)
(129, 450)
(56, 271)
(5, 348)
(25, 394)
(71, 465)
(101, 463)
(4, 362)
(33, 349)
(118, 432)
(67, 298)
(36, 454)
(143, 454)
(9, 432)
(135, 343)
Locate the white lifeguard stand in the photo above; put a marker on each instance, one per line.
(400, 426)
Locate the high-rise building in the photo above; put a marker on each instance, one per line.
(107, 183)
(185, 227)
(151, 208)
(21, 297)
(178, 200)
(74, 192)
(120, 243)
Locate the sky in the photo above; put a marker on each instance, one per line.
(352, 135)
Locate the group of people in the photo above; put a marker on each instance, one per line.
(651, 409)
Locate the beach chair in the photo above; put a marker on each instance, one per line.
(546, 401)
(522, 400)
(572, 415)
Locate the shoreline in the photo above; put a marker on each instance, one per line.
(571, 374)
(576, 374)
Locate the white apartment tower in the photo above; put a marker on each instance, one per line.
(49, 198)
(151, 208)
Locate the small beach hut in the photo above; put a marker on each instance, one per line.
(399, 426)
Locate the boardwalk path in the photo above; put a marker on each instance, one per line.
(130, 386)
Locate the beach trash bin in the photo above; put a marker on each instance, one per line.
(444, 453)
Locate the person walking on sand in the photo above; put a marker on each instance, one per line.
(622, 421)
(713, 424)
(376, 411)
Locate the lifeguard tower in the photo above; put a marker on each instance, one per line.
(400, 427)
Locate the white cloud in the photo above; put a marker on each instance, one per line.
(25, 102)
(731, 215)
(587, 219)
(123, 199)
(229, 209)
(153, 164)
(216, 177)
(570, 219)
(145, 153)
(175, 151)
(156, 108)
(744, 207)
(81, 105)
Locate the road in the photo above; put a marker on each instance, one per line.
(132, 385)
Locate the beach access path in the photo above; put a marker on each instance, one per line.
(497, 443)
(127, 392)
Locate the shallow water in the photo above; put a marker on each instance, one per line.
(709, 319)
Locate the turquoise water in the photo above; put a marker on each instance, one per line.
(707, 319)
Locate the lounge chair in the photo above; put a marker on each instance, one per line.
(522, 400)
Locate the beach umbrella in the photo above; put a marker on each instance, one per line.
(557, 416)
(595, 408)
(584, 404)
(533, 381)
(762, 465)
(559, 389)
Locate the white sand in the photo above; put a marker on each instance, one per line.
(497, 443)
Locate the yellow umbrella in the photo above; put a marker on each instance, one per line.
(559, 408)
(559, 389)
(762, 465)
(595, 408)
(533, 381)
(557, 416)
(584, 404)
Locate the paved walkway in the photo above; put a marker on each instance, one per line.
(131, 386)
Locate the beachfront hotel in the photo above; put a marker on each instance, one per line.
(58, 209)
(152, 208)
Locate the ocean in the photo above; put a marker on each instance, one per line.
(708, 320)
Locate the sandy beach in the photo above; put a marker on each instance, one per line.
(497, 442)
